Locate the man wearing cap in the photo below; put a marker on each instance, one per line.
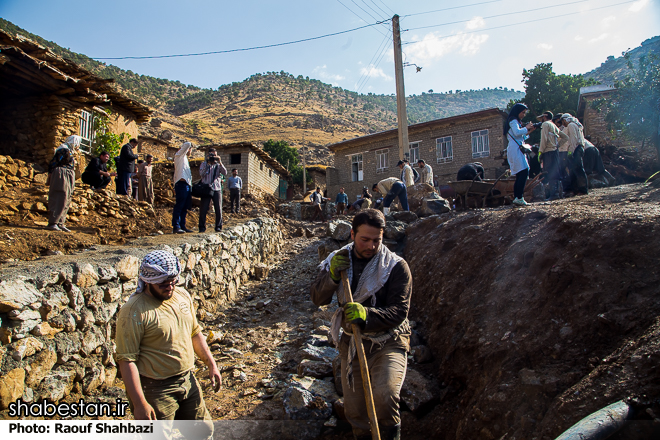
(549, 152)
(407, 176)
(573, 128)
(392, 188)
(157, 339)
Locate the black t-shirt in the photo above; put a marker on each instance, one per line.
(95, 165)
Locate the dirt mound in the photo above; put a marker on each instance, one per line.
(538, 316)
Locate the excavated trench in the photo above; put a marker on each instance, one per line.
(527, 320)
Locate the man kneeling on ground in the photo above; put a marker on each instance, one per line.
(157, 339)
(96, 174)
(381, 284)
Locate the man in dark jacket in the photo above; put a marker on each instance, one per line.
(96, 174)
(471, 171)
(126, 167)
(381, 284)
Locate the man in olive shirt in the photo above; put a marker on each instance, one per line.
(157, 339)
(381, 284)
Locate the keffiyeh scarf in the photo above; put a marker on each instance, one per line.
(156, 268)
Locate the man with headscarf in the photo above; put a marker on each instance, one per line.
(573, 127)
(157, 338)
(61, 182)
(549, 153)
(182, 189)
(126, 167)
(381, 284)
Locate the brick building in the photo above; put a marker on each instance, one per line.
(256, 168)
(45, 98)
(446, 144)
(593, 119)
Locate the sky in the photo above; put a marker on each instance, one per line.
(472, 44)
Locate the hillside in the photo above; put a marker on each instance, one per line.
(616, 68)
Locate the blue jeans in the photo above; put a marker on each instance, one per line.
(397, 190)
(123, 181)
(183, 193)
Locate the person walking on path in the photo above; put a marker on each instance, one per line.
(341, 201)
(235, 184)
(126, 167)
(61, 182)
(145, 183)
(382, 285)
(549, 153)
(392, 188)
(157, 339)
(96, 173)
(212, 171)
(182, 189)
(317, 200)
(425, 172)
(516, 133)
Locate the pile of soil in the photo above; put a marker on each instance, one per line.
(538, 316)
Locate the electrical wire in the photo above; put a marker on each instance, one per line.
(368, 77)
(385, 14)
(519, 23)
(371, 8)
(453, 7)
(500, 15)
(386, 7)
(246, 48)
(358, 16)
(364, 77)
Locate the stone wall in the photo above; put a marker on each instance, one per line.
(459, 130)
(57, 316)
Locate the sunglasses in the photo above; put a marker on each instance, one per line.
(168, 284)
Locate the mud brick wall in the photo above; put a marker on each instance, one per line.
(461, 133)
(57, 315)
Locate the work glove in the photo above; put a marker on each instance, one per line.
(340, 261)
(570, 155)
(355, 313)
(540, 156)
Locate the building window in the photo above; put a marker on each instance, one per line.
(414, 152)
(235, 159)
(270, 173)
(382, 160)
(443, 150)
(480, 147)
(86, 130)
(356, 168)
(261, 166)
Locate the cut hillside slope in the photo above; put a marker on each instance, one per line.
(616, 68)
(540, 316)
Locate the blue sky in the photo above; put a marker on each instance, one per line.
(486, 44)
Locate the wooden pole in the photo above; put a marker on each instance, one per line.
(364, 369)
(401, 113)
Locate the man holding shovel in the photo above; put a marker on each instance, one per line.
(381, 286)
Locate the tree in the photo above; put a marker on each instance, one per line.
(106, 140)
(287, 157)
(635, 109)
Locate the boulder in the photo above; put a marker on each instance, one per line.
(315, 369)
(26, 348)
(417, 193)
(65, 321)
(300, 404)
(417, 390)
(44, 329)
(76, 298)
(404, 216)
(112, 294)
(40, 368)
(395, 230)
(338, 407)
(66, 345)
(110, 376)
(320, 354)
(340, 230)
(85, 275)
(127, 268)
(107, 274)
(57, 385)
(318, 340)
(261, 271)
(433, 206)
(94, 378)
(16, 294)
(422, 354)
(12, 385)
(93, 339)
(40, 178)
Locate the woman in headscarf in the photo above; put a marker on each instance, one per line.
(61, 181)
(516, 133)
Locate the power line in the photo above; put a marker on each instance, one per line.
(358, 15)
(387, 7)
(385, 14)
(454, 7)
(368, 77)
(364, 78)
(499, 15)
(371, 8)
(523, 22)
(246, 48)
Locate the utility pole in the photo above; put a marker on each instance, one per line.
(401, 113)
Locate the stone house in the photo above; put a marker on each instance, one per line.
(45, 98)
(446, 144)
(257, 169)
(317, 174)
(158, 148)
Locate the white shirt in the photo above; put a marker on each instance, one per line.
(407, 175)
(181, 165)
